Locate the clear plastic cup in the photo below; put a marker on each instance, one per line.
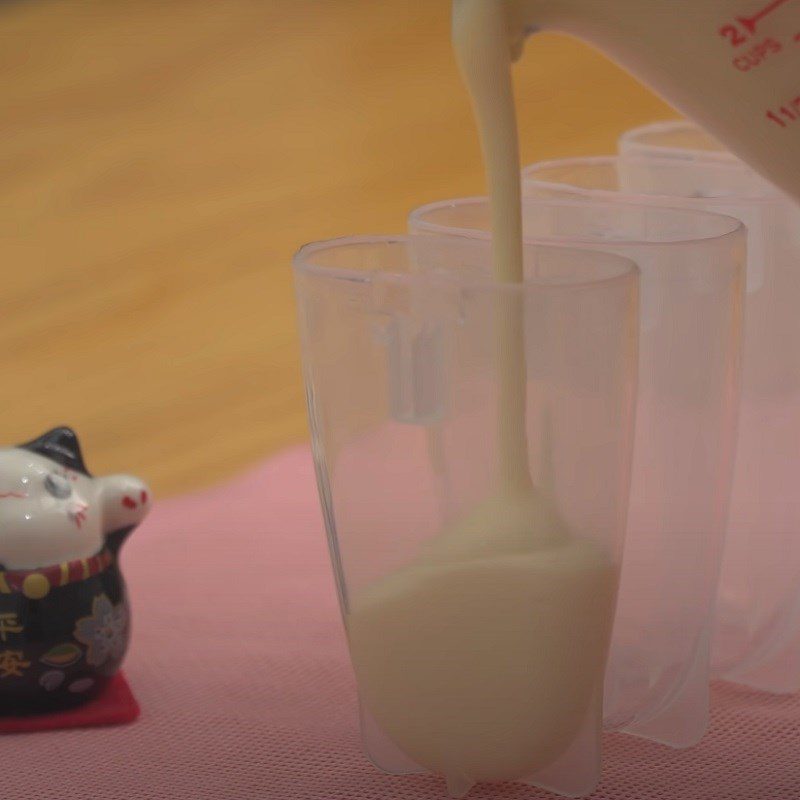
(478, 611)
(678, 138)
(679, 158)
(692, 272)
(757, 637)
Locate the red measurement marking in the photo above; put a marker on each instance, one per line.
(797, 38)
(757, 55)
(751, 22)
(18, 495)
(790, 114)
(733, 35)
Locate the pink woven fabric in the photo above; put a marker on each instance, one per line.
(241, 670)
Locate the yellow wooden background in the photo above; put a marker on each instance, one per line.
(160, 160)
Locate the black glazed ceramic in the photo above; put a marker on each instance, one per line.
(60, 650)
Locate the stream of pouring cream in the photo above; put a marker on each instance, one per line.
(484, 658)
(482, 48)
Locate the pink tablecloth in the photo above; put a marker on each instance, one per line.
(240, 666)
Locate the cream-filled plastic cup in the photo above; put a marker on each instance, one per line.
(478, 617)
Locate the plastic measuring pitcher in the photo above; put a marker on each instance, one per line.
(732, 65)
(691, 288)
(479, 645)
(757, 638)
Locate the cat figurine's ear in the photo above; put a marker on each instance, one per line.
(60, 445)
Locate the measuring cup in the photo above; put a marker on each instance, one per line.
(692, 272)
(479, 649)
(757, 637)
(731, 65)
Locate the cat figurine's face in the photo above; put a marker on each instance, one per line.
(52, 510)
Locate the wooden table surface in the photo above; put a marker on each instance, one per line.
(160, 160)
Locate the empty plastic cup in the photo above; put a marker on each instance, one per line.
(676, 138)
(757, 638)
(692, 270)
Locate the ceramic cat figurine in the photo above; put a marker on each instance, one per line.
(64, 614)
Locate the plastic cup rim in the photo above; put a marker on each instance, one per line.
(626, 272)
